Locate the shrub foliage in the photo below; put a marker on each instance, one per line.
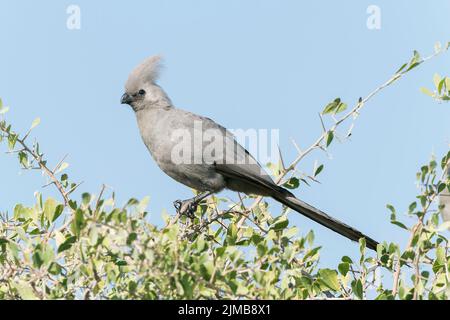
(91, 248)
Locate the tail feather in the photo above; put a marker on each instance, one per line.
(241, 176)
(318, 216)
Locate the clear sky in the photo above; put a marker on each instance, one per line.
(246, 64)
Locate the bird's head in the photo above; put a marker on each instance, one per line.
(141, 90)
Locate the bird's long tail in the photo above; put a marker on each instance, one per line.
(289, 200)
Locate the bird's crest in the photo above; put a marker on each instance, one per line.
(145, 73)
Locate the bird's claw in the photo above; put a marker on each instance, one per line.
(186, 207)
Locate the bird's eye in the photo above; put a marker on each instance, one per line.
(141, 92)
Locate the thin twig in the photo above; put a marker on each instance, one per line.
(416, 227)
(353, 112)
(46, 170)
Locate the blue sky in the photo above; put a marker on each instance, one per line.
(246, 64)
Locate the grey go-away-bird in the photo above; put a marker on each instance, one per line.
(176, 140)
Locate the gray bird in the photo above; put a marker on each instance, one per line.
(444, 199)
(176, 141)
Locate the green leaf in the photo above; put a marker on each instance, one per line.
(413, 65)
(73, 205)
(292, 183)
(23, 159)
(340, 108)
(62, 167)
(50, 209)
(142, 206)
(13, 249)
(440, 256)
(261, 249)
(67, 244)
(399, 224)
(12, 139)
(392, 209)
(329, 278)
(289, 233)
(35, 123)
(362, 246)
(331, 107)
(441, 86)
(318, 170)
(343, 268)
(436, 80)
(64, 180)
(86, 198)
(401, 68)
(310, 237)
(312, 254)
(3, 109)
(357, 288)
(58, 211)
(25, 291)
(37, 259)
(412, 207)
(447, 83)
(347, 259)
(131, 237)
(256, 239)
(232, 234)
(55, 269)
(330, 137)
(427, 91)
(415, 61)
(208, 269)
(280, 223)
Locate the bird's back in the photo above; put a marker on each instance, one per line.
(189, 147)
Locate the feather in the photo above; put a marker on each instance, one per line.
(145, 73)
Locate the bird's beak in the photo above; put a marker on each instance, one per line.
(126, 99)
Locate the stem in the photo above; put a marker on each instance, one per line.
(417, 227)
(355, 111)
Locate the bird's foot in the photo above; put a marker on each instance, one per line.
(186, 207)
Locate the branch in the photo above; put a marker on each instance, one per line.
(416, 228)
(51, 174)
(354, 112)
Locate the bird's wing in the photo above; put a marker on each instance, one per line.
(251, 174)
(236, 160)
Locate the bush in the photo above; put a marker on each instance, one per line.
(93, 249)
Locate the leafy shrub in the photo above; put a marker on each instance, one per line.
(93, 249)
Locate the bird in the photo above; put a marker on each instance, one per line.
(175, 139)
(444, 200)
